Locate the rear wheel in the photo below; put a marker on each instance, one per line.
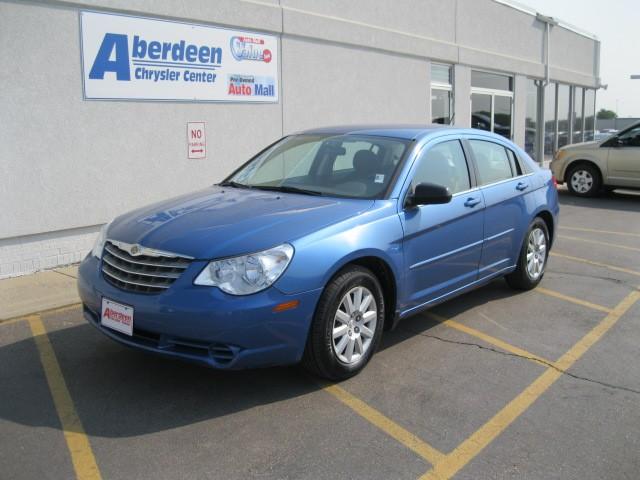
(533, 257)
(347, 325)
(584, 180)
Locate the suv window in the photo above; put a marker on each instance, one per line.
(444, 164)
(631, 138)
(492, 161)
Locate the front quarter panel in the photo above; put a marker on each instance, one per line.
(321, 255)
(597, 155)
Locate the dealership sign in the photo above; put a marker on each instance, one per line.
(126, 57)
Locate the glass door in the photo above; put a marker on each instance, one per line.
(493, 112)
(481, 111)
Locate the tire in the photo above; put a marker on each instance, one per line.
(358, 332)
(530, 270)
(584, 180)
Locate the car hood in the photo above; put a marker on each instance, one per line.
(584, 145)
(219, 222)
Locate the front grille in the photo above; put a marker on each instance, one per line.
(142, 273)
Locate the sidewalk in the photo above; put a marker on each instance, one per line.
(39, 291)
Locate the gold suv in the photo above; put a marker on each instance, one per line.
(589, 167)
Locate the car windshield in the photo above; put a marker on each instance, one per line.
(355, 166)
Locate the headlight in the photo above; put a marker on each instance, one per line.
(99, 245)
(249, 273)
(560, 154)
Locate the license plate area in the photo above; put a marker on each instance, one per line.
(117, 316)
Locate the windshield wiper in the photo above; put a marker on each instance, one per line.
(231, 183)
(286, 189)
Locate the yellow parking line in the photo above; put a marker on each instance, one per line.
(489, 339)
(597, 242)
(387, 425)
(592, 230)
(569, 298)
(84, 462)
(473, 445)
(597, 264)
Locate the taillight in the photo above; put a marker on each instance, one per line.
(555, 182)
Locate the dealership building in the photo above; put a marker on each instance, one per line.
(108, 105)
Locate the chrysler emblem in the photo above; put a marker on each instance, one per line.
(135, 249)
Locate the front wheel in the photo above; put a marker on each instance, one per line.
(347, 325)
(584, 180)
(533, 257)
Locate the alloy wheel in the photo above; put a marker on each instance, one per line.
(536, 253)
(354, 325)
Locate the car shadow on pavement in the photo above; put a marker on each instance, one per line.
(120, 392)
(607, 201)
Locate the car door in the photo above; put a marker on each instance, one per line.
(442, 243)
(505, 187)
(624, 159)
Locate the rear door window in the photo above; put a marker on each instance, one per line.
(492, 161)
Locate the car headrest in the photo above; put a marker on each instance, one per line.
(366, 162)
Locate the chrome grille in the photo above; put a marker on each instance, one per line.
(150, 272)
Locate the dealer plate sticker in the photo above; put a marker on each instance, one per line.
(117, 316)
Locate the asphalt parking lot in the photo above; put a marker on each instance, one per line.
(495, 384)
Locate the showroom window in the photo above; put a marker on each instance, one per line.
(589, 114)
(550, 121)
(578, 114)
(531, 119)
(441, 93)
(492, 102)
(564, 117)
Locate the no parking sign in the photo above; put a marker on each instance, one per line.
(196, 140)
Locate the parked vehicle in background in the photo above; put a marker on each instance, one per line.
(589, 167)
(319, 243)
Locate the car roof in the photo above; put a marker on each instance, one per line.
(406, 132)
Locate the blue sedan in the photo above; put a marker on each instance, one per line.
(318, 244)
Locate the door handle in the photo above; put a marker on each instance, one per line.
(471, 202)
(522, 186)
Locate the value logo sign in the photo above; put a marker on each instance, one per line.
(127, 57)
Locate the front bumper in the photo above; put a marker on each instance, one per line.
(203, 324)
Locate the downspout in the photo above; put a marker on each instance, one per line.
(548, 23)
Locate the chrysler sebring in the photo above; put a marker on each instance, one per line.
(318, 244)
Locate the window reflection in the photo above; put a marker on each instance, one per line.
(549, 120)
(440, 106)
(531, 120)
(502, 116)
(563, 115)
(589, 114)
(578, 116)
(481, 111)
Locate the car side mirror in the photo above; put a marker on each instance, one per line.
(428, 194)
(614, 142)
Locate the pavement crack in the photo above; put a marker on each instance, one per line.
(524, 357)
(617, 281)
(65, 274)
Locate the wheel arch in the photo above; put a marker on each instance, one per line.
(582, 161)
(547, 217)
(385, 274)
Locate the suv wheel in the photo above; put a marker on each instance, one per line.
(584, 180)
